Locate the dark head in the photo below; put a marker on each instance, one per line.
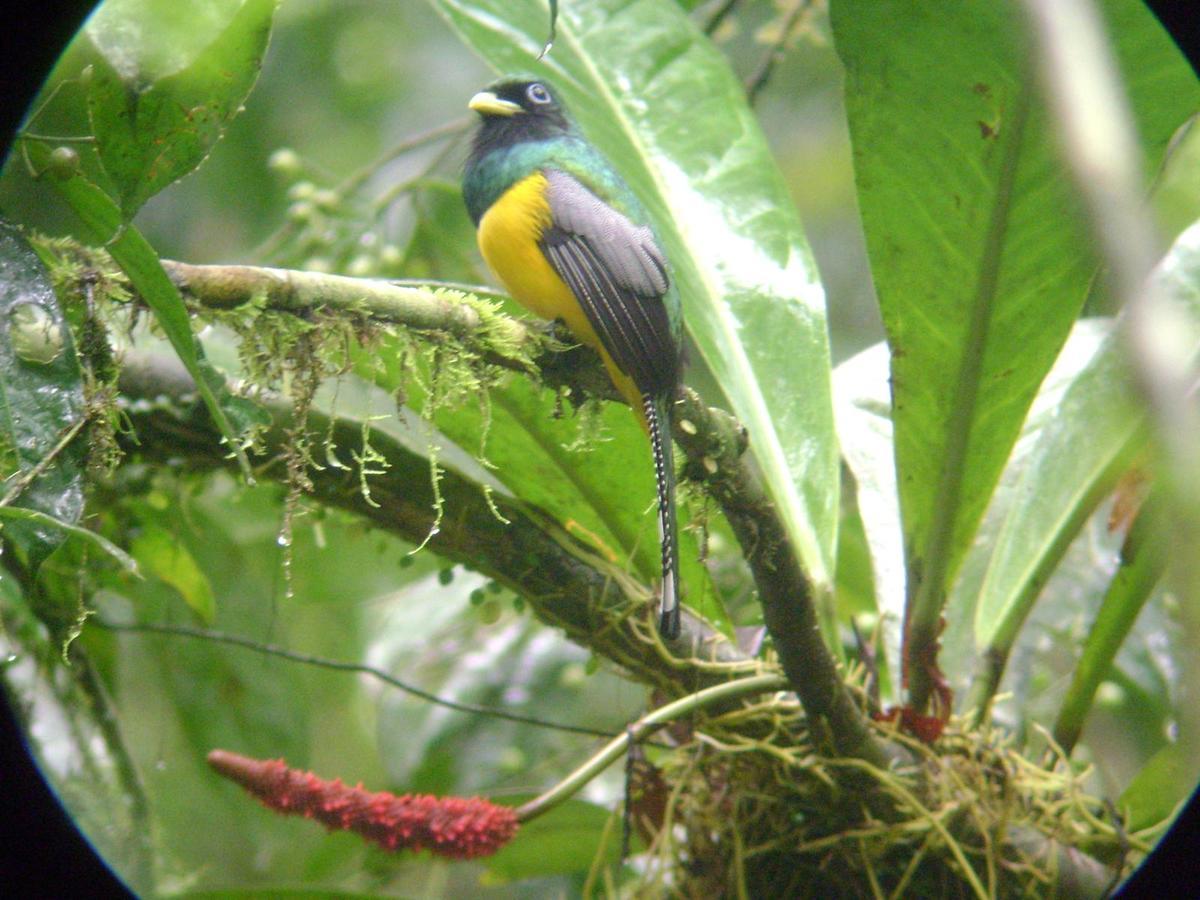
(516, 110)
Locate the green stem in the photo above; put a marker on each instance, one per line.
(1143, 561)
(641, 729)
(32, 474)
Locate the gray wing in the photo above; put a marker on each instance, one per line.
(618, 275)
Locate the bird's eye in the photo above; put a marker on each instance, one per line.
(537, 93)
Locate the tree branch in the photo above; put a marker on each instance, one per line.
(713, 441)
(565, 583)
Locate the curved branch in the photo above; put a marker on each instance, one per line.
(713, 441)
(565, 583)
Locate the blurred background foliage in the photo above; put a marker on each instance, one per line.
(345, 83)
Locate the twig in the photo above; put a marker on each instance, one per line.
(639, 730)
(35, 471)
(337, 665)
(758, 79)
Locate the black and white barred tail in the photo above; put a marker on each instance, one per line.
(658, 421)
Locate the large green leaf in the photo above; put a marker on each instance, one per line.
(979, 256)
(1049, 482)
(151, 131)
(662, 104)
(1088, 441)
(41, 400)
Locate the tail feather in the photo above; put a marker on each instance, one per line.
(658, 421)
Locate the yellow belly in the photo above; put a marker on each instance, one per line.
(509, 233)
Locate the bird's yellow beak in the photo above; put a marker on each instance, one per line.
(488, 104)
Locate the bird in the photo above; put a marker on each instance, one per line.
(568, 239)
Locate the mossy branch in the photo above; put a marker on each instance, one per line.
(713, 441)
(565, 583)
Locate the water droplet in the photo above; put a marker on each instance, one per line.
(284, 540)
(36, 337)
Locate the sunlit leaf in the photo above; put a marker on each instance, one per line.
(663, 105)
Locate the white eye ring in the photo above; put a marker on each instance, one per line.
(537, 93)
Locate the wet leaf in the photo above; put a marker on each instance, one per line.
(979, 255)
(1083, 444)
(152, 130)
(662, 104)
(41, 400)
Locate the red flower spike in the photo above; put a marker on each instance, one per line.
(457, 827)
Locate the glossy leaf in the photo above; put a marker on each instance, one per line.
(151, 131)
(1092, 431)
(662, 104)
(41, 399)
(979, 256)
(152, 39)
(1045, 488)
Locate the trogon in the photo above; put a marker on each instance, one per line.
(569, 240)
